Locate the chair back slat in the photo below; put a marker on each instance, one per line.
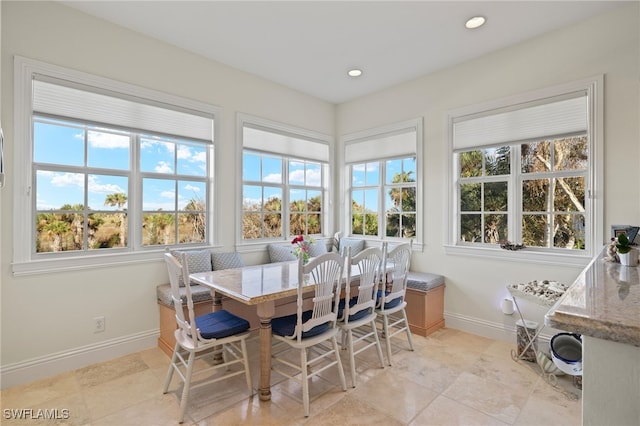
(325, 272)
(176, 269)
(367, 266)
(396, 263)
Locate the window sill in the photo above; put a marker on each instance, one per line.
(53, 265)
(577, 260)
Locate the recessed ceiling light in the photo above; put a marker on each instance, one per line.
(475, 22)
(355, 72)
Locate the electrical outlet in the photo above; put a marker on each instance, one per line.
(98, 324)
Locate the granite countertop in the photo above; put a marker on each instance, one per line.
(603, 302)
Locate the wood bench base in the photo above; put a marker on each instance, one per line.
(168, 326)
(425, 310)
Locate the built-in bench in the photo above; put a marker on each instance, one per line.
(425, 307)
(425, 302)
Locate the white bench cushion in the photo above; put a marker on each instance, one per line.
(199, 293)
(424, 280)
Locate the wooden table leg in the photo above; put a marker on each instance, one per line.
(217, 306)
(217, 301)
(266, 311)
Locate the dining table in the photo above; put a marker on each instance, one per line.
(259, 285)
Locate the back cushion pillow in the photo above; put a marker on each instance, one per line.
(280, 253)
(357, 245)
(226, 260)
(317, 249)
(197, 261)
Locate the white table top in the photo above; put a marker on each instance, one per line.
(255, 284)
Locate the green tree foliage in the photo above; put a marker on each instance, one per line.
(63, 229)
(56, 230)
(118, 200)
(194, 220)
(159, 227)
(552, 206)
(305, 218)
(401, 217)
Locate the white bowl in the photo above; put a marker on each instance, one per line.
(566, 352)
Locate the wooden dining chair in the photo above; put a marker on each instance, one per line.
(356, 314)
(311, 331)
(391, 304)
(216, 333)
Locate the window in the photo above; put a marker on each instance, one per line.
(285, 175)
(398, 190)
(523, 173)
(383, 182)
(112, 170)
(483, 194)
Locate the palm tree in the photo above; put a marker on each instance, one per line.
(75, 218)
(195, 218)
(119, 199)
(404, 199)
(159, 225)
(56, 230)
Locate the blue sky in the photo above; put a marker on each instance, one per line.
(261, 168)
(368, 175)
(108, 154)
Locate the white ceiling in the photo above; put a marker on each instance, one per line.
(310, 45)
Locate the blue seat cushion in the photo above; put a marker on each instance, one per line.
(285, 326)
(219, 324)
(358, 315)
(390, 304)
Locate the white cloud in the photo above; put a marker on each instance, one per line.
(147, 144)
(200, 157)
(107, 140)
(192, 188)
(67, 179)
(168, 194)
(77, 180)
(163, 167)
(313, 177)
(250, 202)
(273, 178)
(184, 152)
(109, 188)
(297, 176)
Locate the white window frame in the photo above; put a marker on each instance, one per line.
(375, 138)
(593, 87)
(323, 143)
(25, 260)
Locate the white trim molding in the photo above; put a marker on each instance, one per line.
(60, 362)
(591, 90)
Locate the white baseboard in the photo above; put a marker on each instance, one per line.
(492, 330)
(57, 363)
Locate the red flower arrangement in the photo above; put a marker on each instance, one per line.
(303, 245)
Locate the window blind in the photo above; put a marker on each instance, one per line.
(285, 145)
(553, 118)
(64, 99)
(391, 145)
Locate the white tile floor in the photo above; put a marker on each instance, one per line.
(452, 378)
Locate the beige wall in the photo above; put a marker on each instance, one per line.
(609, 45)
(44, 316)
